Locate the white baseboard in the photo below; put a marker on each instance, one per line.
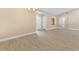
(73, 29)
(50, 28)
(13, 37)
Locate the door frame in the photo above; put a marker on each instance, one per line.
(42, 22)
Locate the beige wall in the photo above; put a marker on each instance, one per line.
(72, 19)
(16, 21)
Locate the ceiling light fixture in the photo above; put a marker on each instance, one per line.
(34, 9)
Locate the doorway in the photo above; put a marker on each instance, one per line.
(62, 22)
(41, 21)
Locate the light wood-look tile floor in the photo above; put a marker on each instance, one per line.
(54, 40)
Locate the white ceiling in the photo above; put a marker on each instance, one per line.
(56, 11)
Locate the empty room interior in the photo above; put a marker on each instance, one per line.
(39, 29)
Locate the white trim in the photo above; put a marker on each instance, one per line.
(50, 28)
(73, 29)
(21, 35)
